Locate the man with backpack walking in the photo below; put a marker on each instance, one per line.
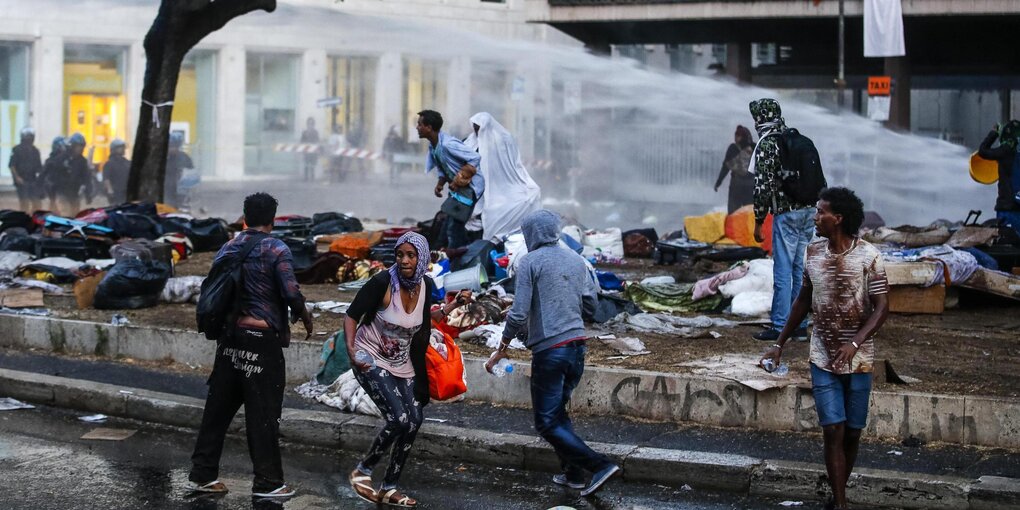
(243, 306)
(788, 177)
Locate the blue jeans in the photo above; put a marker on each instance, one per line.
(554, 375)
(1010, 219)
(791, 233)
(455, 233)
(841, 398)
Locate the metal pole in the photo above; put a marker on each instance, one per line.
(841, 78)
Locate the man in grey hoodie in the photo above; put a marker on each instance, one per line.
(554, 290)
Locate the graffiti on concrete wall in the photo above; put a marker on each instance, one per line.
(664, 398)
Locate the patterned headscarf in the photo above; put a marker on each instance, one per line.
(421, 245)
(767, 115)
(1010, 134)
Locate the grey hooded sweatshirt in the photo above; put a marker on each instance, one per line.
(553, 287)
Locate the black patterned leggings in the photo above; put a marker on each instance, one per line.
(395, 398)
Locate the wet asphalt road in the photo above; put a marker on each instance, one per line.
(45, 465)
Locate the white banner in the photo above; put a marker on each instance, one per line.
(883, 29)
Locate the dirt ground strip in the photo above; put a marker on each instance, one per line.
(971, 350)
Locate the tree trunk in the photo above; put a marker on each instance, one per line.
(178, 27)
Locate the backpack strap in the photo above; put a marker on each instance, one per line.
(249, 245)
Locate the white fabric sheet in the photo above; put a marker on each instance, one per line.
(510, 192)
(883, 29)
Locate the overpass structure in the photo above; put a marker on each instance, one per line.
(952, 45)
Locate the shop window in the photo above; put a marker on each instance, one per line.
(194, 113)
(270, 113)
(94, 101)
(352, 82)
(14, 62)
(424, 89)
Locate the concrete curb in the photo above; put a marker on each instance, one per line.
(700, 470)
(970, 420)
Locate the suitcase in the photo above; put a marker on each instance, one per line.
(74, 248)
(384, 252)
(292, 226)
(671, 251)
(302, 251)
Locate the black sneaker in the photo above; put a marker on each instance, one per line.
(600, 478)
(800, 335)
(561, 479)
(767, 335)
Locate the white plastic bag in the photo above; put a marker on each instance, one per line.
(608, 241)
(752, 303)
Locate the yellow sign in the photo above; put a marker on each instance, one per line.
(93, 83)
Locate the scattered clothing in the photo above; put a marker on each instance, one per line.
(670, 297)
(710, 286)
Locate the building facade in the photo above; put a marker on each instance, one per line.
(68, 67)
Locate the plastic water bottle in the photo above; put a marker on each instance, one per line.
(364, 358)
(770, 367)
(502, 368)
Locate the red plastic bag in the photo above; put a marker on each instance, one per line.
(446, 375)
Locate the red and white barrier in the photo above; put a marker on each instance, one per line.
(309, 148)
(357, 153)
(306, 148)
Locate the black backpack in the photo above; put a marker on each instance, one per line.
(220, 299)
(801, 177)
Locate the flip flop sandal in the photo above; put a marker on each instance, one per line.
(396, 499)
(362, 485)
(213, 487)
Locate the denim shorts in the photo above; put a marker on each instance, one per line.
(841, 397)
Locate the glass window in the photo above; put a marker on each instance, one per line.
(270, 111)
(194, 113)
(14, 74)
(424, 89)
(94, 101)
(352, 81)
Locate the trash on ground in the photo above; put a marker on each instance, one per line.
(894, 452)
(182, 289)
(687, 327)
(715, 334)
(119, 320)
(912, 442)
(10, 404)
(656, 280)
(437, 420)
(331, 306)
(791, 503)
(35, 312)
(492, 334)
(744, 369)
(344, 393)
(85, 290)
(48, 288)
(686, 488)
(104, 434)
(93, 418)
(628, 346)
